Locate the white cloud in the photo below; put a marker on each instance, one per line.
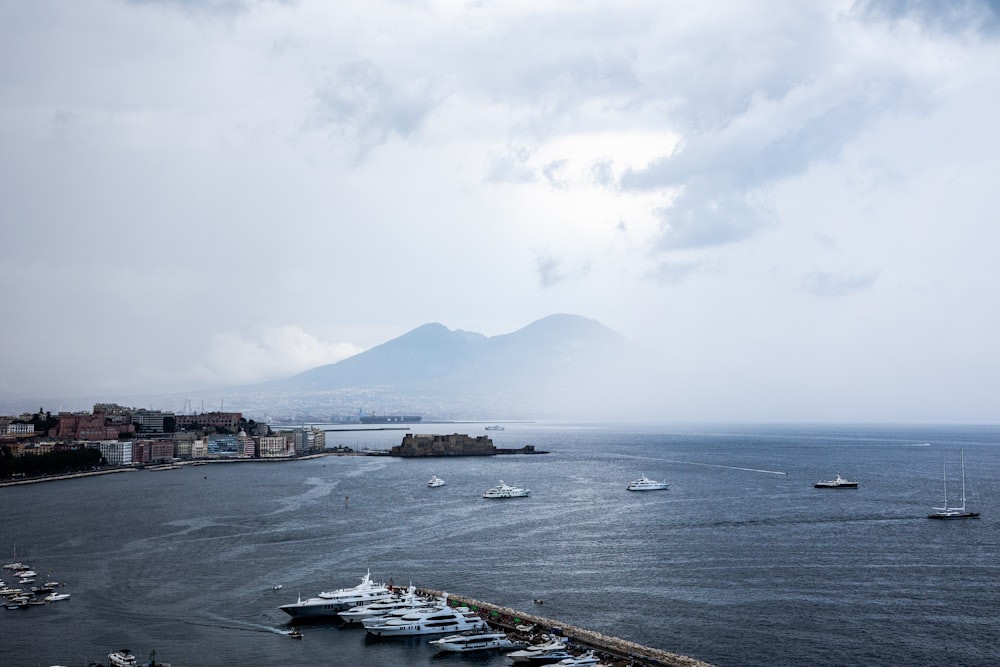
(268, 352)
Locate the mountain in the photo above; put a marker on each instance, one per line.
(558, 364)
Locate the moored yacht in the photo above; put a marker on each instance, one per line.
(122, 658)
(588, 658)
(646, 484)
(435, 481)
(440, 619)
(533, 651)
(476, 641)
(329, 603)
(402, 603)
(503, 490)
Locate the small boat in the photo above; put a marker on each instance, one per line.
(495, 427)
(435, 481)
(953, 512)
(646, 484)
(503, 490)
(122, 658)
(56, 597)
(837, 483)
(276, 587)
(295, 634)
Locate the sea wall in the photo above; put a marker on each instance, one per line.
(619, 651)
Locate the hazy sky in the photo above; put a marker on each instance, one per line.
(792, 205)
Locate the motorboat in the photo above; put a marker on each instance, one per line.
(528, 653)
(295, 633)
(476, 641)
(503, 490)
(646, 484)
(440, 619)
(495, 427)
(836, 483)
(122, 658)
(588, 658)
(397, 603)
(329, 603)
(435, 481)
(56, 597)
(550, 657)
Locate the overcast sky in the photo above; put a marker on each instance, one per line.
(792, 205)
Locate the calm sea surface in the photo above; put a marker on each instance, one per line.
(741, 562)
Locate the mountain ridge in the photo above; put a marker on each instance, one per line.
(433, 369)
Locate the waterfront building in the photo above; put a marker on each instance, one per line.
(84, 426)
(274, 446)
(223, 445)
(149, 421)
(309, 440)
(115, 452)
(225, 421)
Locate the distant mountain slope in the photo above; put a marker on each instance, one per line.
(436, 368)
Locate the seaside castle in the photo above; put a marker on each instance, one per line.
(420, 444)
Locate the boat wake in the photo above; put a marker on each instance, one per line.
(230, 624)
(718, 465)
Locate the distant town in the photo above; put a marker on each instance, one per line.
(34, 445)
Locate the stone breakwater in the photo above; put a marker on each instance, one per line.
(615, 650)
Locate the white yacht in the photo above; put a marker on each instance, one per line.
(56, 597)
(329, 603)
(122, 658)
(476, 641)
(406, 602)
(435, 481)
(587, 658)
(502, 490)
(438, 620)
(533, 651)
(646, 484)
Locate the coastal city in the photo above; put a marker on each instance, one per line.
(114, 436)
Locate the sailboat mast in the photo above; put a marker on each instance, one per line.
(963, 481)
(944, 474)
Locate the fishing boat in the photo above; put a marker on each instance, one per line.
(953, 512)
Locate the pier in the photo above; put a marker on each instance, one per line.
(612, 650)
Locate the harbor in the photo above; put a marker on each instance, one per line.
(530, 627)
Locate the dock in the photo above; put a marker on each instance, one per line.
(612, 650)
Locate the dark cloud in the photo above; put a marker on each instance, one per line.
(510, 166)
(723, 175)
(703, 215)
(218, 7)
(360, 102)
(549, 270)
(951, 16)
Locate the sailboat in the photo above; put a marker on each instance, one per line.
(953, 512)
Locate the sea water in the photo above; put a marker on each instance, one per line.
(740, 562)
